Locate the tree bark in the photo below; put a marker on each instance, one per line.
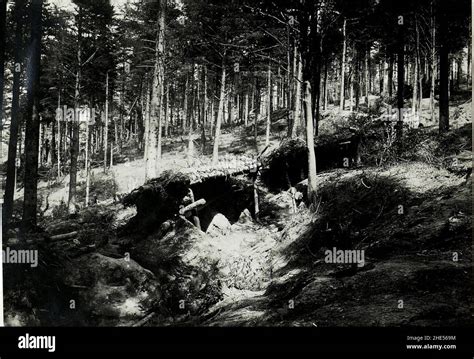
(86, 164)
(154, 150)
(444, 77)
(299, 81)
(343, 64)
(58, 142)
(414, 104)
(74, 150)
(106, 129)
(390, 77)
(13, 140)
(312, 184)
(3, 15)
(432, 64)
(215, 152)
(269, 105)
(32, 121)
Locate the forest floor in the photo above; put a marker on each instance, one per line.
(412, 219)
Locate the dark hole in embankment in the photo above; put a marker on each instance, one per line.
(288, 165)
(226, 195)
(161, 198)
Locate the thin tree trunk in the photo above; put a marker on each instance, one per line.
(343, 64)
(154, 150)
(106, 129)
(74, 150)
(86, 165)
(351, 94)
(206, 102)
(246, 108)
(444, 78)
(415, 87)
(3, 15)
(215, 152)
(367, 82)
(146, 135)
(13, 140)
(299, 81)
(415, 74)
(390, 77)
(269, 105)
(167, 110)
(469, 56)
(312, 184)
(325, 89)
(59, 118)
(433, 65)
(185, 105)
(400, 84)
(32, 121)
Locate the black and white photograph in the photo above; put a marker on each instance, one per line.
(239, 163)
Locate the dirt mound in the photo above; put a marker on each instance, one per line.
(417, 254)
(110, 291)
(157, 200)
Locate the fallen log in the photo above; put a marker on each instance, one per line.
(63, 236)
(62, 227)
(192, 206)
(144, 320)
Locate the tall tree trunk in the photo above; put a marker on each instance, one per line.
(86, 164)
(432, 64)
(343, 64)
(269, 105)
(400, 82)
(469, 56)
(57, 143)
(390, 76)
(299, 81)
(415, 87)
(185, 104)
(289, 76)
(458, 72)
(309, 31)
(312, 184)
(325, 89)
(74, 150)
(246, 108)
(13, 140)
(106, 129)
(366, 72)
(192, 121)
(257, 112)
(357, 82)
(220, 111)
(416, 74)
(3, 15)
(154, 150)
(351, 94)
(206, 102)
(444, 77)
(167, 109)
(32, 120)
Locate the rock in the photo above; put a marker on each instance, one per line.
(219, 226)
(185, 262)
(110, 290)
(272, 228)
(245, 217)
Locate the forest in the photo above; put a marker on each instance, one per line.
(236, 163)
